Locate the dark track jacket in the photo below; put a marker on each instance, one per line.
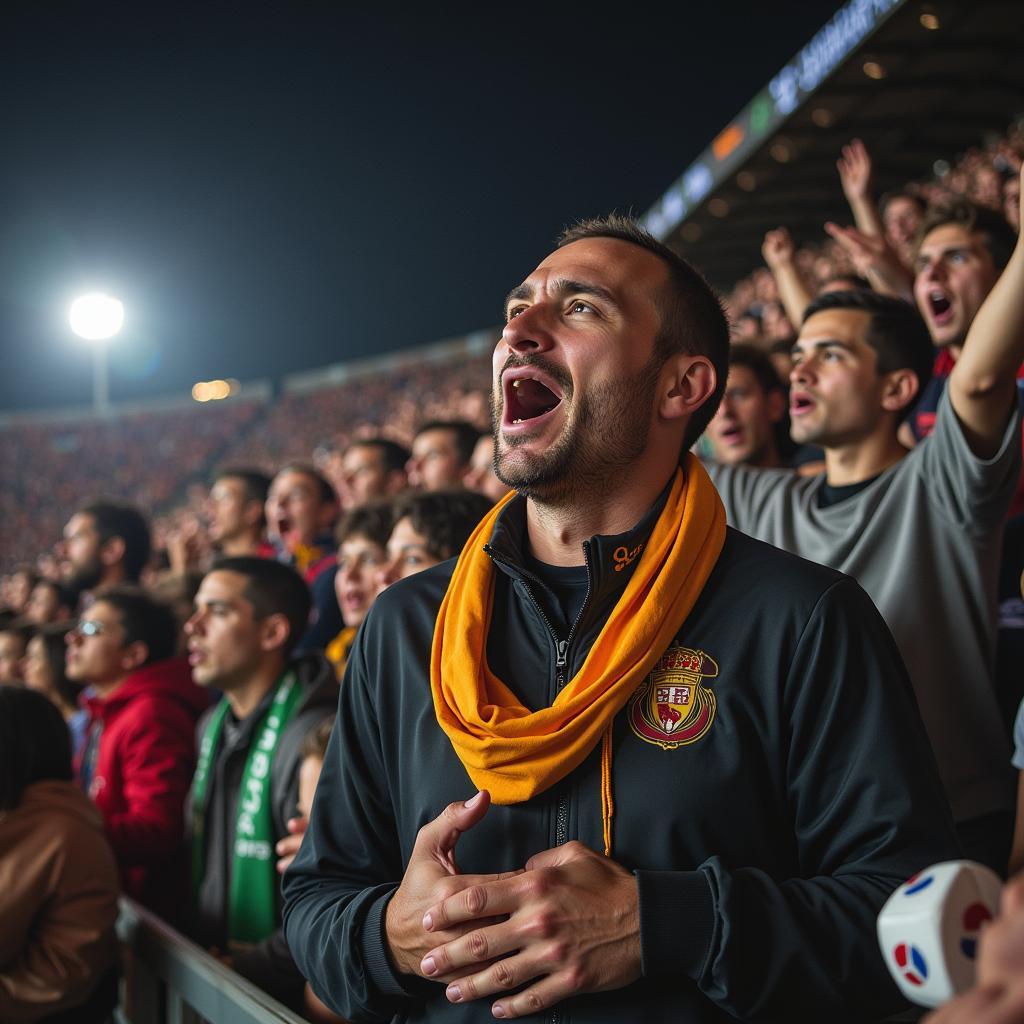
(772, 785)
(268, 963)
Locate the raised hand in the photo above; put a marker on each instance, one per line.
(289, 846)
(855, 171)
(573, 925)
(778, 248)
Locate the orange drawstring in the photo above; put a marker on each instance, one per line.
(607, 803)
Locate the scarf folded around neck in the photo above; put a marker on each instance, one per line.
(515, 753)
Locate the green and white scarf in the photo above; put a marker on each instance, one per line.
(252, 904)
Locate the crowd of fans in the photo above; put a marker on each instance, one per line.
(149, 661)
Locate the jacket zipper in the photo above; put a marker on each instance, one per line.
(561, 660)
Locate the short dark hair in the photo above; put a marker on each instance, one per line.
(759, 364)
(130, 525)
(326, 491)
(996, 234)
(392, 455)
(272, 588)
(693, 320)
(895, 331)
(145, 620)
(35, 744)
(373, 520)
(854, 280)
(54, 640)
(466, 436)
(445, 519)
(19, 627)
(255, 483)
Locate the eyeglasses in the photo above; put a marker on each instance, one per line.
(90, 627)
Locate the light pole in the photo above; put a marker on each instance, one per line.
(97, 318)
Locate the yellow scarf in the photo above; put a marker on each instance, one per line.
(337, 650)
(515, 753)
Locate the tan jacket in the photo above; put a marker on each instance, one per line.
(58, 902)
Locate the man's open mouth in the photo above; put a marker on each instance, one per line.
(800, 403)
(940, 306)
(527, 397)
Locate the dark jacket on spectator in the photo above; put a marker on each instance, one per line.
(58, 902)
(268, 964)
(763, 850)
(137, 763)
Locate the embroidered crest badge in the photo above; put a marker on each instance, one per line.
(673, 707)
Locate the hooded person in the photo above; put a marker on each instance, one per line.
(139, 749)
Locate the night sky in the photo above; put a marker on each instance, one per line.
(274, 192)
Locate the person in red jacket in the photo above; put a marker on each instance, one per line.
(139, 754)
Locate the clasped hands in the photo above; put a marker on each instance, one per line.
(568, 921)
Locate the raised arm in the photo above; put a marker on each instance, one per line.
(856, 176)
(982, 386)
(779, 253)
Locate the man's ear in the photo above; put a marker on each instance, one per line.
(134, 655)
(274, 632)
(899, 389)
(687, 382)
(252, 513)
(112, 551)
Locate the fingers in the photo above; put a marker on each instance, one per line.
(437, 838)
(547, 992)
(286, 849)
(501, 895)
(473, 950)
(564, 854)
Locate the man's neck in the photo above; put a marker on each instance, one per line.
(863, 460)
(245, 697)
(241, 545)
(107, 689)
(556, 530)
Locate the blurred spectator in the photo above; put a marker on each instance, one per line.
(248, 617)
(429, 528)
(58, 879)
(962, 251)
(373, 469)
(441, 454)
(746, 428)
(177, 591)
(362, 538)
(1011, 202)
(901, 217)
(17, 587)
(44, 669)
(14, 636)
(481, 476)
(918, 531)
(139, 751)
(105, 544)
(48, 602)
(237, 520)
(301, 511)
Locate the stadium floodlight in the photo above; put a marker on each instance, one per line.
(96, 318)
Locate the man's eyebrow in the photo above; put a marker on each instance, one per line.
(823, 343)
(564, 287)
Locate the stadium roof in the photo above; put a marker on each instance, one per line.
(917, 82)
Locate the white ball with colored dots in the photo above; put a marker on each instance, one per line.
(928, 929)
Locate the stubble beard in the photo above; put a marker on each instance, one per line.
(605, 431)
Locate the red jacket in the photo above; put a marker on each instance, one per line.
(142, 769)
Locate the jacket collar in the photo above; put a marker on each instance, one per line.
(610, 558)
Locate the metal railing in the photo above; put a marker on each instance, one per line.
(171, 980)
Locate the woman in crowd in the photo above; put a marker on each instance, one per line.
(58, 879)
(42, 670)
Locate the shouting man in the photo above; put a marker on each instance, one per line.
(674, 731)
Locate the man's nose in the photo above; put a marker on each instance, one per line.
(530, 330)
